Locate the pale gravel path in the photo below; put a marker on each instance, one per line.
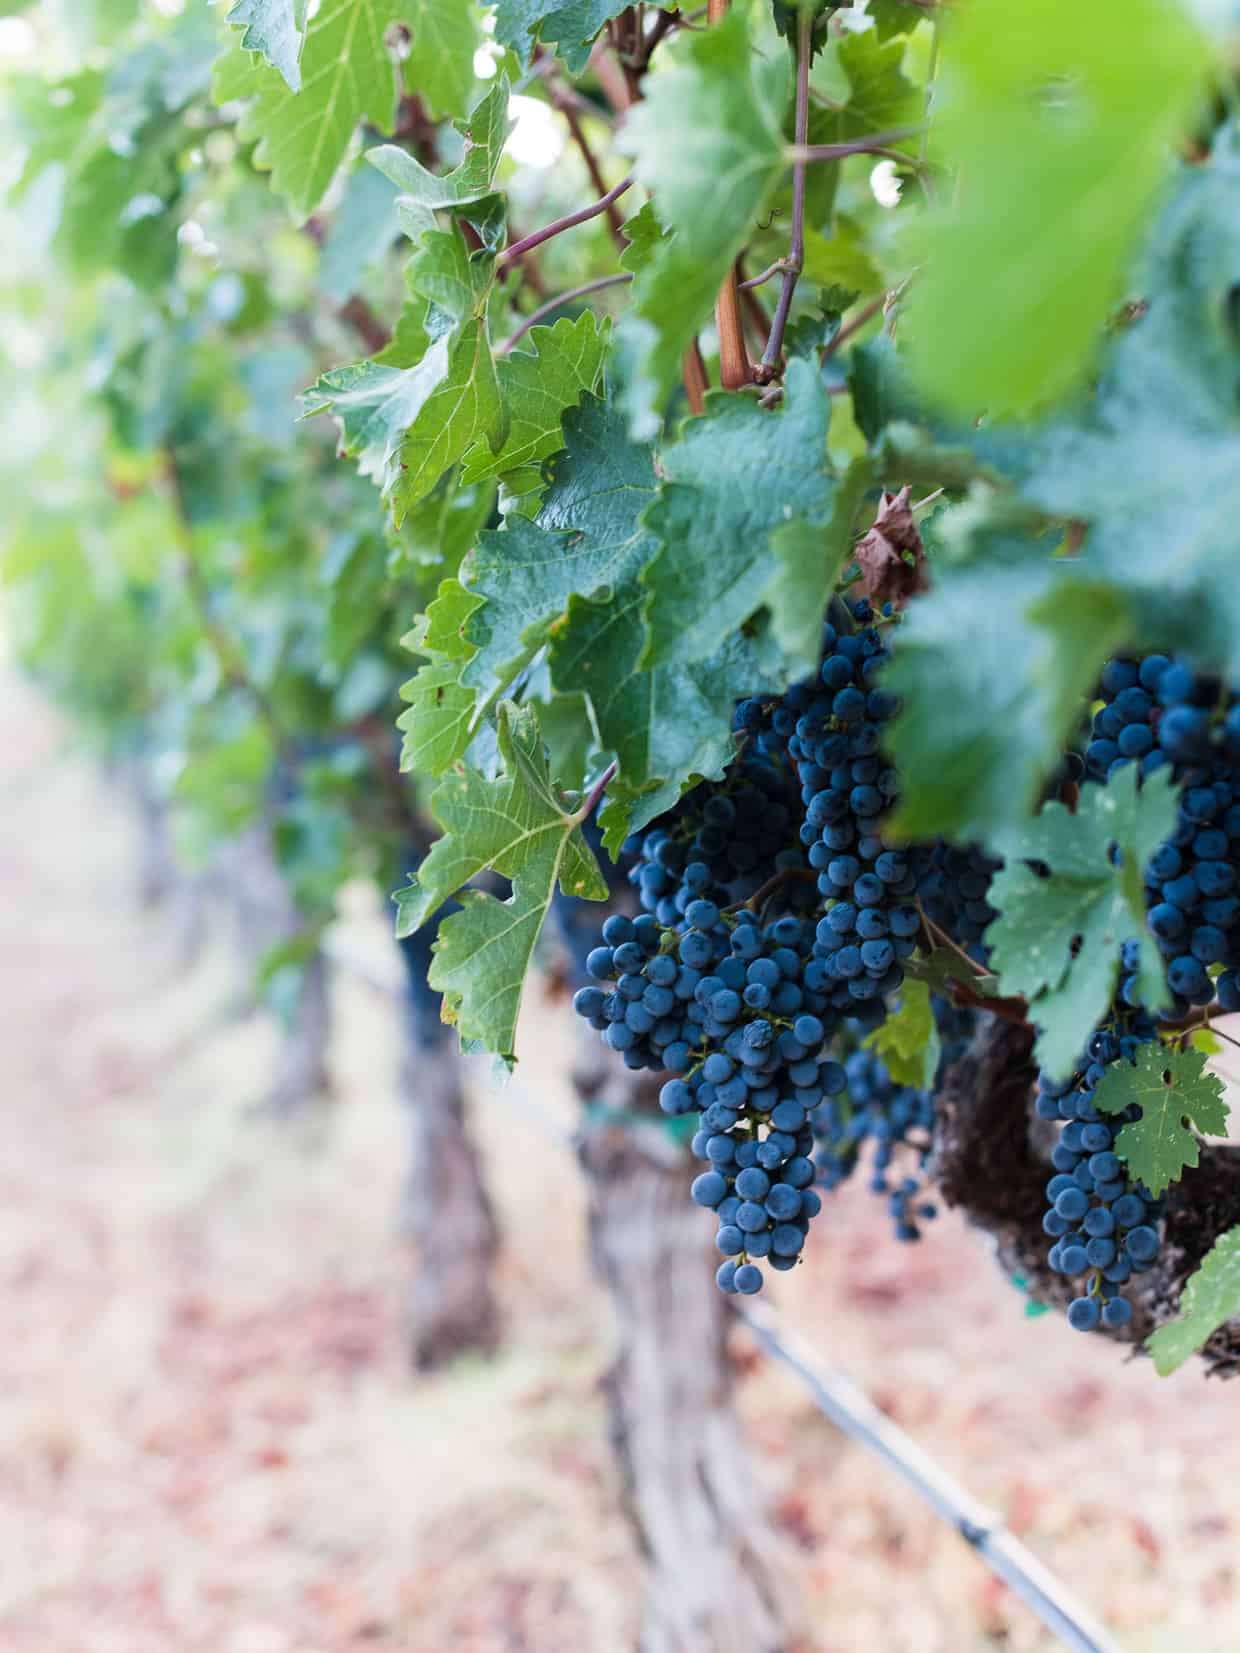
(208, 1443)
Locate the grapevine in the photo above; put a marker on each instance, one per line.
(739, 521)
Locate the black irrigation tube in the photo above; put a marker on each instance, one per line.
(855, 1415)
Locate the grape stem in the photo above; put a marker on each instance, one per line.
(784, 876)
(734, 368)
(793, 264)
(571, 107)
(590, 801)
(553, 304)
(878, 143)
(510, 254)
(1008, 1010)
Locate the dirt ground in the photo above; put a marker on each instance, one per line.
(210, 1442)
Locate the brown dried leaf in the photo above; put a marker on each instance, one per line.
(891, 556)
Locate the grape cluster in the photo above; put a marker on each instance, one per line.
(759, 1085)
(833, 726)
(721, 842)
(952, 890)
(893, 1118)
(651, 1011)
(1103, 1227)
(776, 928)
(1159, 713)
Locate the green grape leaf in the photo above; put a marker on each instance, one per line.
(809, 558)
(895, 16)
(586, 535)
(444, 271)
(516, 26)
(373, 403)
(438, 721)
(539, 383)
(424, 193)
(1174, 1092)
(1060, 144)
(1211, 1296)
(991, 666)
(735, 476)
(581, 593)
(277, 30)
(439, 69)
(438, 532)
(842, 258)
(463, 405)
(446, 623)
(669, 726)
(348, 75)
(520, 826)
(528, 572)
(406, 426)
(572, 27)
(1153, 465)
(1057, 940)
(709, 130)
(644, 234)
(908, 1041)
(361, 231)
(880, 98)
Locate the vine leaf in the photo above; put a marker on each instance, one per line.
(1173, 1091)
(1057, 940)
(437, 723)
(276, 29)
(1211, 1296)
(735, 476)
(462, 403)
(406, 426)
(424, 193)
(587, 537)
(362, 231)
(908, 1041)
(348, 74)
(991, 667)
(439, 69)
(669, 726)
(539, 384)
(571, 27)
(520, 826)
(373, 402)
(1166, 401)
(644, 233)
(1045, 113)
(708, 131)
(879, 99)
(809, 559)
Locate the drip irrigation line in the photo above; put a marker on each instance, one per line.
(852, 1412)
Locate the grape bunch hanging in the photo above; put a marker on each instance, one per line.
(778, 924)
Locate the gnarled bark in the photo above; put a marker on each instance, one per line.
(452, 1308)
(266, 917)
(715, 1576)
(162, 880)
(991, 1160)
